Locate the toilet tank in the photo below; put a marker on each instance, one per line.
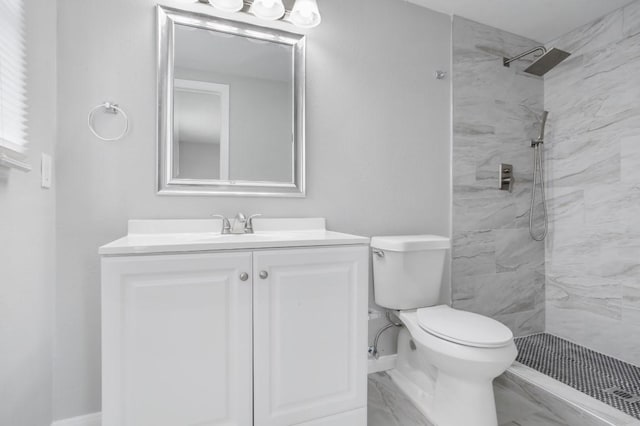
(407, 270)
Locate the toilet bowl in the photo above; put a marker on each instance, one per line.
(447, 358)
(461, 379)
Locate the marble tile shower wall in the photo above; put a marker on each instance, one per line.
(497, 269)
(593, 162)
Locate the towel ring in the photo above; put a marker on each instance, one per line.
(113, 109)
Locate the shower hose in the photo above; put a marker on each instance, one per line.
(538, 173)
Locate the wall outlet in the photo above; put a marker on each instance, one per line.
(46, 166)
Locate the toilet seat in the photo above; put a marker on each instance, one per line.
(464, 328)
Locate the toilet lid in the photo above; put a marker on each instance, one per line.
(465, 328)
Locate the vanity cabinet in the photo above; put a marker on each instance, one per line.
(310, 332)
(177, 340)
(265, 337)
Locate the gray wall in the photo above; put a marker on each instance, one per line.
(377, 137)
(27, 242)
(593, 158)
(497, 269)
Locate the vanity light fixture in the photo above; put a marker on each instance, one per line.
(271, 10)
(228, 5)
(304, 14)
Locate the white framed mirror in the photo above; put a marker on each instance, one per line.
(231, 107)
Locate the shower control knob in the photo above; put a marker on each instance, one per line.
(264, 275)
(244, 276)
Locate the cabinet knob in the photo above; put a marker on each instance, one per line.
(264, 275)
(244, 276)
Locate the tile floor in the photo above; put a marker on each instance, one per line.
(389, 407)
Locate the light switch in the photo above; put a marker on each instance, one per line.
(45, 170)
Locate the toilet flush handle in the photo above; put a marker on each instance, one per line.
(378, 252)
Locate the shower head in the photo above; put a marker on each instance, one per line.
(545, 63)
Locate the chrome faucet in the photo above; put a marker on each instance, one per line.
(241, 224)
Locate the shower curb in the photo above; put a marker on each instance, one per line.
(575, 407)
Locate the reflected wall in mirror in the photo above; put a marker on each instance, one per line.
(231, 110)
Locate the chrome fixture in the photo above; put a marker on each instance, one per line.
(373, 349)
(304, 14)
(226, 225)
(543, 124)
(547, 60)
(110, 108)
(241, 224)
(506, 177)
(378, 252)
(538, 174)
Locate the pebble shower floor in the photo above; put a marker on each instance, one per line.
(607, 379)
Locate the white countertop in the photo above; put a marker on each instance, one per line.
(189, 235)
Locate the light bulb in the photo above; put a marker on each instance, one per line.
(268, 9)
(228, 5)
(305, 14)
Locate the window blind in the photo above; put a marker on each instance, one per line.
(13, 99)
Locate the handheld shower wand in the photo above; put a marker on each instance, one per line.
(543, 124)
(538, 173)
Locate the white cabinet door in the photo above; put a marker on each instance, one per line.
(310, 334)
(177, 340)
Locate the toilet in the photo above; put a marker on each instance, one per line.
(447, 358)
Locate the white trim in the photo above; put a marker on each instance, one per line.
(223, 91)
(7, 161)
(94, 419)
(383, 363)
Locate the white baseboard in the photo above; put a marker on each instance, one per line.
(94, 419)
(383, 363)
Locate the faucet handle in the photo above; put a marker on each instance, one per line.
(226, 225)
(248, 227)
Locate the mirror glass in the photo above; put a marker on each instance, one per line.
(232, 118)
(200, 130)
